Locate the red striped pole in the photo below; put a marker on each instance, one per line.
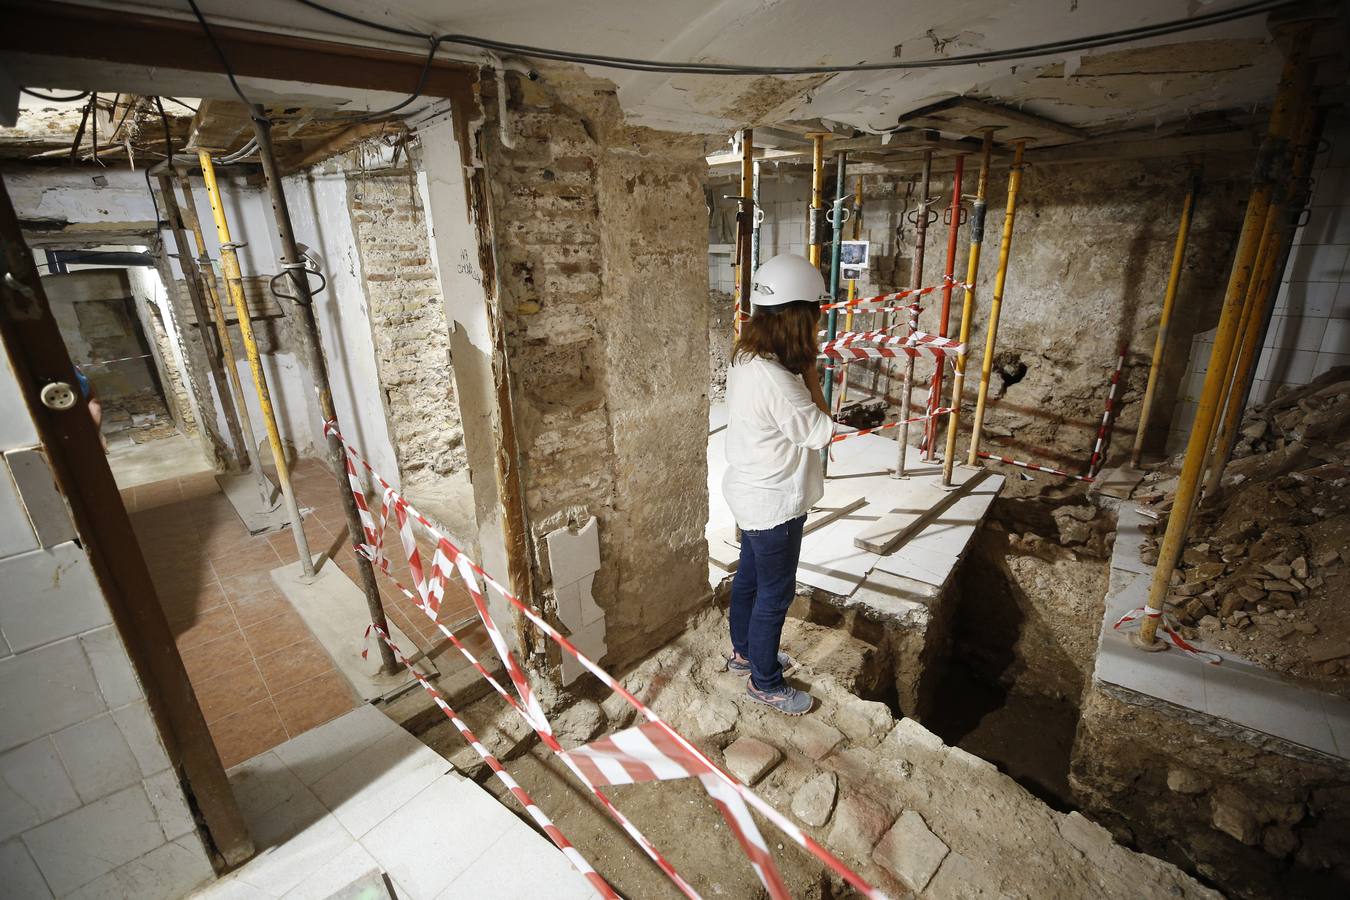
(1108, 418)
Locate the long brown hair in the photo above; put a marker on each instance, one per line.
(788, 333)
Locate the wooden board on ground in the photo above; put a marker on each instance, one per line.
(1119, 482)
(921, 504)
(724, 547)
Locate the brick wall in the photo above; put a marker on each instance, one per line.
(408, 323)
(601, 241)
(175, 390)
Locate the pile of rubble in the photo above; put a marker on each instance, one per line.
(1266, 569)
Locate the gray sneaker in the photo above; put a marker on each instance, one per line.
(786, 699)
(742, 667)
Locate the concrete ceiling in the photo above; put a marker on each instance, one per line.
(1219, 67)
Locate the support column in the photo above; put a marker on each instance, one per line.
(234, 282)
(1197, 447)
(745, 225)
(308, 331)
(977, 212)
(996, 303)
(916, 281)
(1165, 318)
(832, 319)
(930, 426)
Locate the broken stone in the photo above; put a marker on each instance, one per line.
(1234, 814)
(717, 715)
(814, 801)
(1186, 781)
(814, 738)
(1306, 627)
(1278, 570)
(1328, 648)
(1279, 841)
(1299, 567)
(1206, 572)
(578, 723)
(1281, 598)
(750, 759)
(910, 851)
(1251, 594)
(1325, 559)
(858, 824)
(864, 720)
(1230, 605)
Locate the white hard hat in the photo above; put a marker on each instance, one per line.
(787, 278)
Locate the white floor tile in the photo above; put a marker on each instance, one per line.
(1338, 717)
(95, 839)
(165, 873)
(1270, 706)
(297, 841)
(319, 751)
(352, 863)
(20, 873)
(262, 784)
(433, 839)
(379, 780)
(522, 865)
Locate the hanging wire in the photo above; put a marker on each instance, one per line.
(54, 98)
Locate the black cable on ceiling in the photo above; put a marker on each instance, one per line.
(220, 54)
(187, 106)
(168, 135)
(691, 68)
(54, 98)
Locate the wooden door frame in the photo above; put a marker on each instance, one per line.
(38, 356)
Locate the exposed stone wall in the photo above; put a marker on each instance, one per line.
(601, 243)
(176, 391)
(721, 334)
(408, 322)
(1258, 817)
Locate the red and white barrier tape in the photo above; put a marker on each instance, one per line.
(720, 785)
(1168, 625)
(552, 743)
(852, 434)
(541, 819)
(914, 339)
(1034, 467)
(1096, 460)
(886, 298)
(852, 353)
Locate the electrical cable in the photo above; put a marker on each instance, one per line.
(646, 65)
(54, 98)
(189, 107)
(220, 54)
(168, 135)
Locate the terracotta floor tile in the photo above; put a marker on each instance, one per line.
(210, 625)
(313, 702)
(246, 584)
(213, 657)
(253, 608)
(255, 558)
(289, 666)
(230, 691)
(270, 635)
(243, 735)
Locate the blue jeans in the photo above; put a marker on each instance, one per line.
(761, 593)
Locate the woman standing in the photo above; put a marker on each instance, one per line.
(777, 424)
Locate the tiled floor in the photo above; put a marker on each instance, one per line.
(360, 796)
(260, 675)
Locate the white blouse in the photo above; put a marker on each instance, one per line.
(774, 435)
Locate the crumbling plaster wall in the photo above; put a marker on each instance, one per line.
(1258, 817)
(600, 240)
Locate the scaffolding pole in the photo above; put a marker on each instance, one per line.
(208, 277)
(234, 283)
(852, 282)
(977, 211)
(916, 281)
(832, 319)
(996, 301)
(815, 234)
(1165, 317)
(308, 330)
(1292, 82)
(930, 427)
(1265, 286)
(745, 215)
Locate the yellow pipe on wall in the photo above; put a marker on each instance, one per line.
(967, 305)
(996, 303)
(234, 283)
(817, 193)
(1292, 79)
(852, 282)
(1165, 318)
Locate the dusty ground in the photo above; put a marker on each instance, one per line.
(1266, 569)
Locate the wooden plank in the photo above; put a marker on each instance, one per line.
(925, 503)
(826, 512)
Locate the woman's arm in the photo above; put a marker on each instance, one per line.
(812, 378)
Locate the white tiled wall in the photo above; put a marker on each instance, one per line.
(89, 805)
(1310, 327)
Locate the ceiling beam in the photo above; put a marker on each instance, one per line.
(83, 32)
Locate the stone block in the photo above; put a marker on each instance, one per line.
(910, 851)
(716, 715)
(864, 720)
(1186, 781)
(1235, 815)
(814, 801)
(750, 759)
(579, 723)
(859, 822)
(814, 738)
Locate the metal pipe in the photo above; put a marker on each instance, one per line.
(916, 280)
(996, 302)
(1165, 317)
(1292, 79)
(815, 225)
(308, 331)
(948, 278)
(195, 289)
(852, 282)
(744, 227)
(1265, 289)
(832, 320)
(234, 283)
(755, 222)
(977, 211)
(208, 277)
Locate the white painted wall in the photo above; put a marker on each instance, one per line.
(88, 801)
(322, 221)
